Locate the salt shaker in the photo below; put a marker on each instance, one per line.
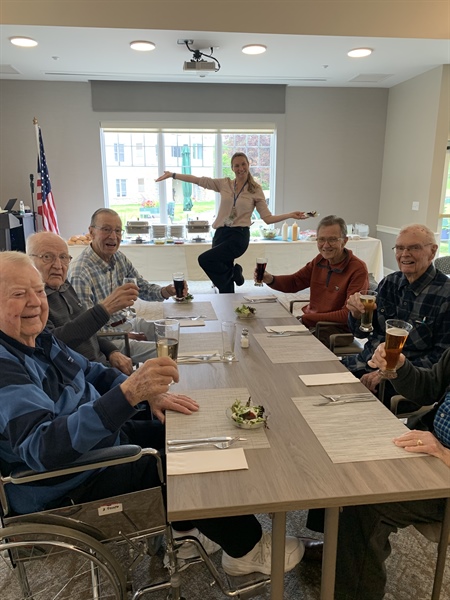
(245, 340)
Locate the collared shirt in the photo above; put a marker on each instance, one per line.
(94, 279)
(442, 422)
(425, 304)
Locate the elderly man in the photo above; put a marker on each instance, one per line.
(70, 406)
(418, 294)
(334, 275)
(67, 320)
(364, 531)
(101, 268)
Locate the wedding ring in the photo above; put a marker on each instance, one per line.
(419, 443)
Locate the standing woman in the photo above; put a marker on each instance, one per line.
(238, 199)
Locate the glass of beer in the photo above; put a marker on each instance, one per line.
(368, 298)
(167, 333)
(178, 282)
(396, 333)
(260, 268)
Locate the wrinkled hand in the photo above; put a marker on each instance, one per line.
(371, 380)
(171, 289)
(422, 441)
(121, 362)
(150, 380)
(177, 402)
(121, 297)
(378, 360)
(166, 175)
(355, 306)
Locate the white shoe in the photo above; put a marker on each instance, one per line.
(260, 557)
(189, 550)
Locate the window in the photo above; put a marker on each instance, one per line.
(133, 159)
(444, 216)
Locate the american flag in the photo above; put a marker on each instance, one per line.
(48, 209)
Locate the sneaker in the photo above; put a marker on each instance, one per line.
(189, 550)
(238, 276)
(260, 557)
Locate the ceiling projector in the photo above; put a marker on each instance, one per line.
(199, 65)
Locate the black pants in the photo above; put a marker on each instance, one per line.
(236, 535)
(228, 244)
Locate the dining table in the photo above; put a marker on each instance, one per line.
(314, 453)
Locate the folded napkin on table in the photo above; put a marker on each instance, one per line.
(286, 328)
(186, 357)
(329, 378)
(206, 461)
(191, 323)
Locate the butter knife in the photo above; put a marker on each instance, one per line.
(199, 440)
(346, 401)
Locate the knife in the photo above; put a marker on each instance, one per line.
(290, 334)
(346, 401)
(184, 317)
(199, 440)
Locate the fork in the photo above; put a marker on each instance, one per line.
(337, 397)
(220, 445)
(204, 357)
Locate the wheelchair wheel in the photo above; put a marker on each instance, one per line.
(49, 562)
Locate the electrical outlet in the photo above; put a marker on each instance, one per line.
(415, 206)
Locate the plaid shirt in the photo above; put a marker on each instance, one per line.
(442, 422)
(425, 304)
(94, 279)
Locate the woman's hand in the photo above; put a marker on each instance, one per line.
(423, 441)
(298, 214)
(167, 175)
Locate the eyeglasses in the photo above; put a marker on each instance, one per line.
(332, 241)
(411, 249)
(48, 258)
(109, 230)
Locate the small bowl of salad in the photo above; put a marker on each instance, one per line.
(245, 416)
(245, 312)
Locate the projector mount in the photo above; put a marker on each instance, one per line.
(197, 63)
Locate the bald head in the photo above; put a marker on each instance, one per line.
(50, 255)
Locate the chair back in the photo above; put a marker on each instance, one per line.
(443, 264)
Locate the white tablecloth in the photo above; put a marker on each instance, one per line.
(158, 262)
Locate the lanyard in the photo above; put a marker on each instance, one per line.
(234, 193)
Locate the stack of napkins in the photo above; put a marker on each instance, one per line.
(209, 461)
(329, 378)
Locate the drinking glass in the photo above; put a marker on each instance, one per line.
(130, 312)
(396, 334)
(260, 268)
(178, 282)
(368, 298)
(167, 333)
(228, 339)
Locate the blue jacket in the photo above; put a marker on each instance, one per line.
(55, 405)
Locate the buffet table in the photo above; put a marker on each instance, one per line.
(157, 262)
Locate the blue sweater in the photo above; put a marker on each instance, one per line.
(54, 406)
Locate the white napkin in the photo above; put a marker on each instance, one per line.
(329, 378)
(190, 323)
(269, 298)
(206, 461)
(286, 328)
(187, 357)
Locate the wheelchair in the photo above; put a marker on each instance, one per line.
(92, 551)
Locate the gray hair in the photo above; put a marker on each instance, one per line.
(418, 228)
(333, 220)
(100, 211)
(11, 257)
(35, 240)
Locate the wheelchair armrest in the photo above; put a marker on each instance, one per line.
(95, 459)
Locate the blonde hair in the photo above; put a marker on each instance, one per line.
(252, 185)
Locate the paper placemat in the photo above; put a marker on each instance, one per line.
(190, 309)
(294, 349)
(287, 328)
(329, 378)
(198, 343)
(211, 420)
(269, 310)
(354, 432)
(182, 463)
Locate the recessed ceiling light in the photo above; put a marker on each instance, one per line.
(254, 49)
(360, 52)
(25, 42)
(142, 46)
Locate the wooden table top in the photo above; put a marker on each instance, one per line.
(295, 472)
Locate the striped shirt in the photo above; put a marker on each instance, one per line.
(425, 304)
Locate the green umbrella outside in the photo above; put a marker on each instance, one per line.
(186, 170)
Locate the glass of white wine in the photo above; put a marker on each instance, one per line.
(131, 313)
(167, 332)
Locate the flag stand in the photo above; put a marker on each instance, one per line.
(32, 201)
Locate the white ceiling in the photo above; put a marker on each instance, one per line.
(83, 54)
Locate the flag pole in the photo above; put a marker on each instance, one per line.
(32, 200)
(36, 131)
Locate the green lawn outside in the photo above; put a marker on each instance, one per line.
(130, 212)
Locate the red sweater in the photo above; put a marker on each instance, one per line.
(330, 286)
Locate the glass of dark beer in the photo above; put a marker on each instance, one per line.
(396, 334)
(368, 298)
(260, 268)
(178, 282)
